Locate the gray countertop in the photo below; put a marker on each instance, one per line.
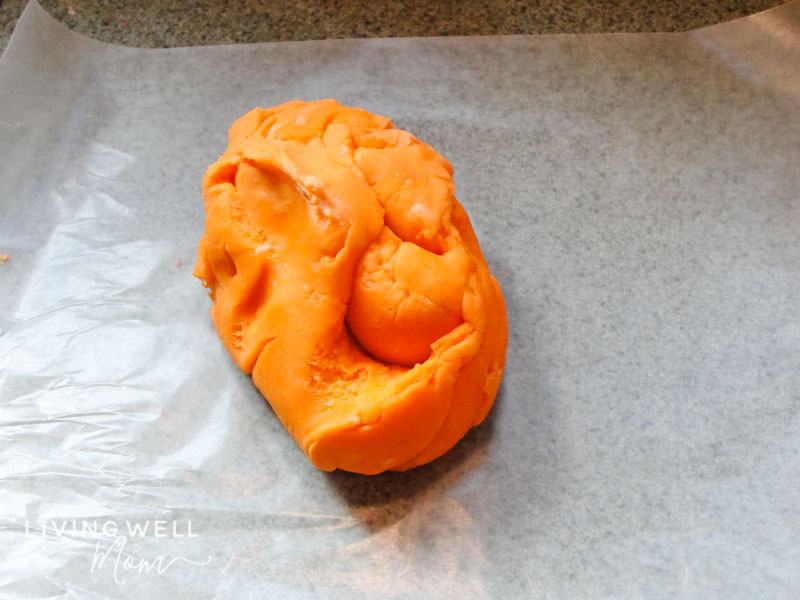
(168, 23)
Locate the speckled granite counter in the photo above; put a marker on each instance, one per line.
(166, 23)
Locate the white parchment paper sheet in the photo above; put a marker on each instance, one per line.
(637, 197)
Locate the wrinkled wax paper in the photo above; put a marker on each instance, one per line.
(638, 198)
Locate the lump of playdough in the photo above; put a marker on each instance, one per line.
(347, 279)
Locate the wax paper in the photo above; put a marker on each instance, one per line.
(637, 197)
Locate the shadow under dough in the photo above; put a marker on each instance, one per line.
(391, 495)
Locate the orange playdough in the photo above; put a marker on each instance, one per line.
(347, 279)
